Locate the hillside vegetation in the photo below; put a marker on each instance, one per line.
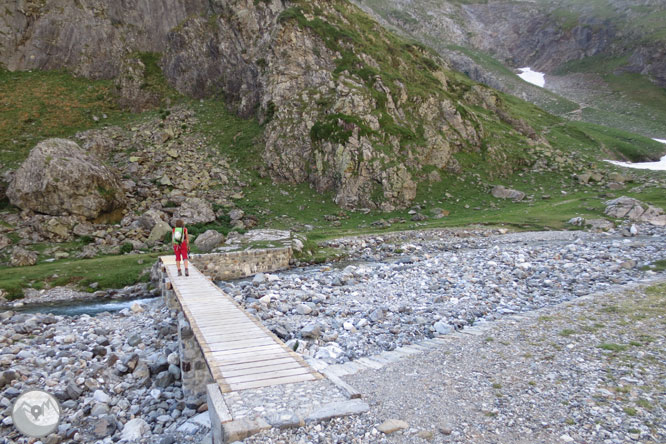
(356, 130)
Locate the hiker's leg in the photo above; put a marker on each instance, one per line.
(176, 251)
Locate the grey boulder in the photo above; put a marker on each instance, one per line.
(209, 240)
(59, 179)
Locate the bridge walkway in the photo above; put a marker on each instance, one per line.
(240, 352)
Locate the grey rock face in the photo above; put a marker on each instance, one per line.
(90, 37)
(59, 179)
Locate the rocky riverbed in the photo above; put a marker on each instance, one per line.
(411, 286)
(587, 371)
(116, 376)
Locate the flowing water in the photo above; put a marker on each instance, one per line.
(77, 308)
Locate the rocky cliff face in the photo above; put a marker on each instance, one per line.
(348, 106)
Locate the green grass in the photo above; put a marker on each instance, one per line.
(108, 272)
(236, 138)
(613, 347)
(42, 104)
(153, 78)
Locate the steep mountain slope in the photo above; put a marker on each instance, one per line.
(611, 42)
(348, 107)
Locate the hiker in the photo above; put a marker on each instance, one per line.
(181, 243)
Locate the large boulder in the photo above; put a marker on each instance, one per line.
(4, 241)
(194, 211)
(22, 258)
(633, 209)
(502, 192)
(209, 240)
(151, 218)
(59, 179)
(158, 232)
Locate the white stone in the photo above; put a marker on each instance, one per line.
(202, 419)
(100, 396)
(136, 307)
(173, 358)
(392, 425)
(156, 393)
(265, 300)
(135, 429)
(349, 327)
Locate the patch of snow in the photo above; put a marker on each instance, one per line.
(533, 77)
(656, 166)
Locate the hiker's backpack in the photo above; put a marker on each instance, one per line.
(178, 235)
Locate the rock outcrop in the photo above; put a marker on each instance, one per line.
(501, 192)
(59, 179)
(633, 209)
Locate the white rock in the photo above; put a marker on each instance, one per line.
(266, 300)
(173, 358)
(202, 419)
(100, 396)
(155, 393)
(135, 429)
(349, 327)
(136, 307)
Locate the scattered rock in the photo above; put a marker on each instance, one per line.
(392, 425)
(135, 429)
(501, 192)
(22, 258)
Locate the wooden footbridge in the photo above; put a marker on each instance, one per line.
(240, 352)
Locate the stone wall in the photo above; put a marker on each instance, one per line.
(195, 374)
(238, 264)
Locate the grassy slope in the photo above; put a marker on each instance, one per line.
(38, 105)
(299, 207)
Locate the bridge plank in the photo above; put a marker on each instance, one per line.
(255, 364)
(239, 344)
(239, 350)
(270, 382)
(288, 365)
(257, 349)
(231, 380)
